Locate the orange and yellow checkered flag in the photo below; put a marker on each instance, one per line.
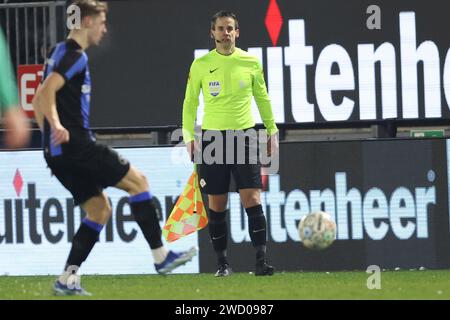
(188, 215)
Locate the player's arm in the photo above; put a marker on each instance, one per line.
(14, 121)
(190, 106)
(44, 105)
(8, 89)
(265, 108)
(70, 65)
(17, 128)
(38, 115)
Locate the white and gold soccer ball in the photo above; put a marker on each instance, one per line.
(317, 230)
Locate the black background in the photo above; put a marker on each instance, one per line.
(140, 71)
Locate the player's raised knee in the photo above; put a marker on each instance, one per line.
(141, 182)
(102, 215)
(106, 213)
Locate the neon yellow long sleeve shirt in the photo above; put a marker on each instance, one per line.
(228, 84)
(8, 88)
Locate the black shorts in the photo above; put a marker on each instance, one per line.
(86, 173)
(238, 171)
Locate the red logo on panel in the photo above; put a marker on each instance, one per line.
(28, 77)
(273, 21)
(18, 182)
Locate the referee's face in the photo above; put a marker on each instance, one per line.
(225, 32)
(97, 29)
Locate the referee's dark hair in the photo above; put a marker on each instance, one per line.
(91, 7)
(224, 14)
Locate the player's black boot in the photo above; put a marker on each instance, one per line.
(263, 269)
(224, 270)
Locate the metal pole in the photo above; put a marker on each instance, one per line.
(26, 35)
(17, 38)
(44, 51)
(42, 39)
(7, 25)
(35, 36)
(52, 18)
(64, 19)
(31, 4)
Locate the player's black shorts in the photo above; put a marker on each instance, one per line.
(88, 171)
(236, 168)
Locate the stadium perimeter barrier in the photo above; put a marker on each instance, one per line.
(31, 28)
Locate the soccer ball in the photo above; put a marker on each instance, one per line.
(317, 230)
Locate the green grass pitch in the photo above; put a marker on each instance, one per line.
(282, 286)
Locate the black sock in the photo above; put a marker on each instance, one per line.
(83, 242)
(144, 212)
(257, 230)
(218, 233)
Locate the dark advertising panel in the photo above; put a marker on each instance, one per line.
(389, 200)
(326, 62)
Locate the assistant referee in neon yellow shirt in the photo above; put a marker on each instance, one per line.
(228, 78)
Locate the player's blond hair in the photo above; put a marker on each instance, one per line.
(91, 7)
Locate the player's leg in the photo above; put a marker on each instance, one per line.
(98, 212)
(145, 214)
(144, 210)
(87, 194)
(110, 169)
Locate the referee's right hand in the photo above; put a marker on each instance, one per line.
(59, 135)
(190, 149)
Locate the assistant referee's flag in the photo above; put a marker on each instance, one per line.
(188, 214)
